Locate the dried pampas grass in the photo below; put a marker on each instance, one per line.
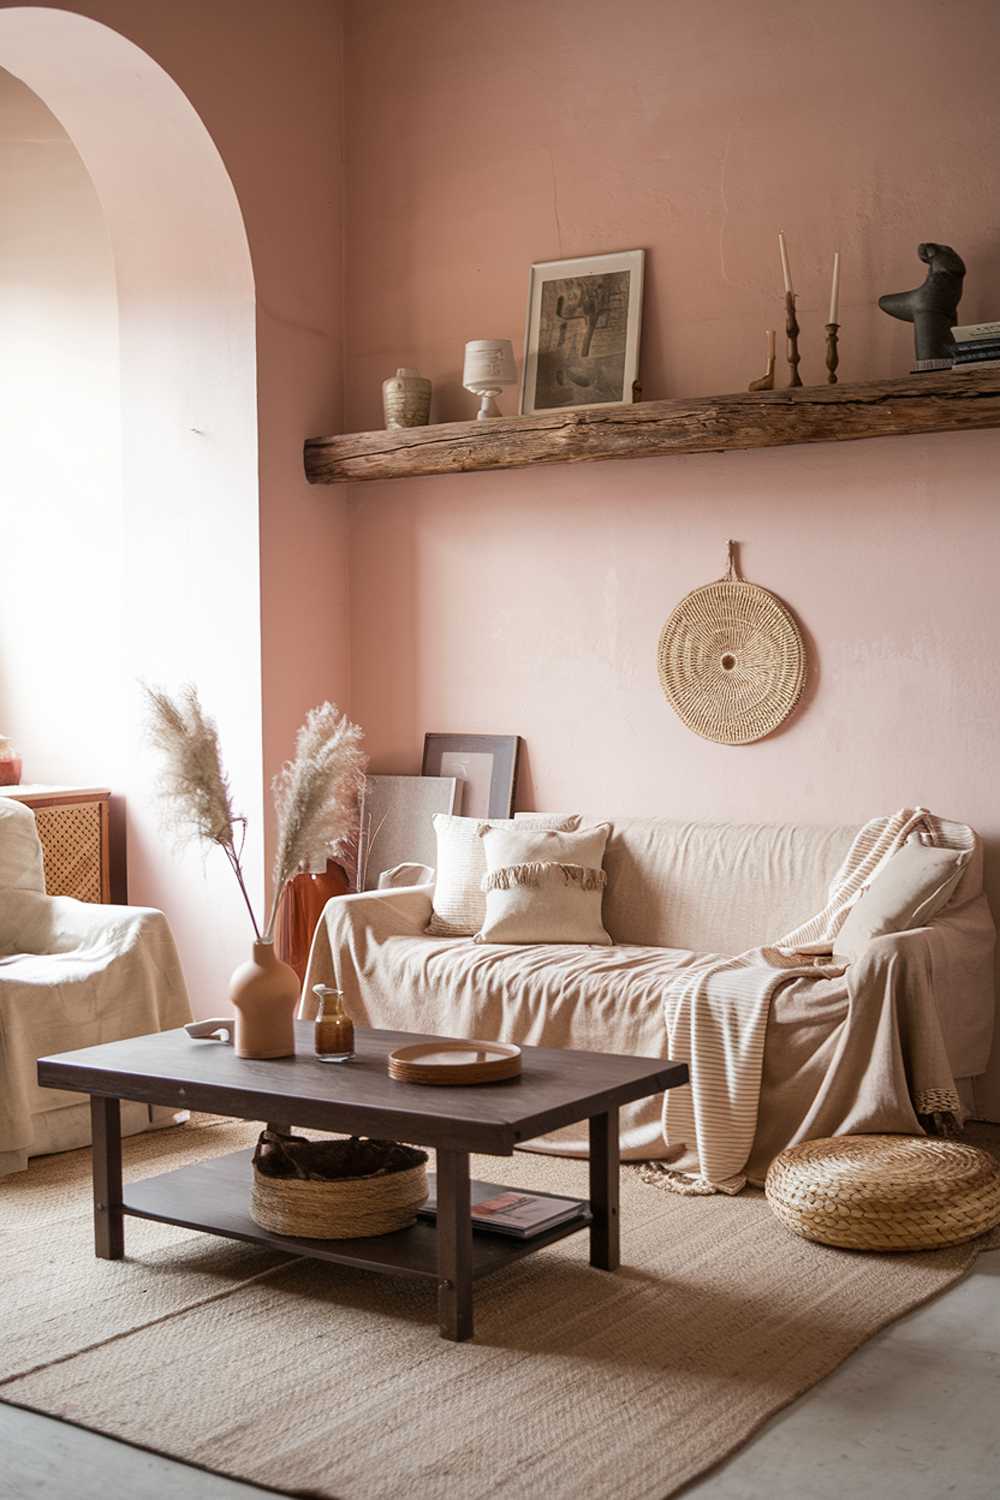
(193, 783)
(317, 797)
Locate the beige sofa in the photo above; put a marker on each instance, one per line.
(674, 889)
(71, 975)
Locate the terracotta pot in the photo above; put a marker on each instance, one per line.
(264, 994)
(301, 906)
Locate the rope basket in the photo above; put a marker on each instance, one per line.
(731, 660)
(885, 1192)
(338, 1208)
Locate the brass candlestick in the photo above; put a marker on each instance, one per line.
(832, 355)
(792, 333)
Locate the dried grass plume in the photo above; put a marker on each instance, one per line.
(317, 797)
(194, 787)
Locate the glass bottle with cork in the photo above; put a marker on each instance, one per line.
(334, 1027)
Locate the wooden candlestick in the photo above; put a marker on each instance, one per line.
(832, 356)
(792, 334)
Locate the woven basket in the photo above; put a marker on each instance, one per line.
(731, 660)
(885, 1192)
(342, 1208)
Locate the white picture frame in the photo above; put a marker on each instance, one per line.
(582, 331)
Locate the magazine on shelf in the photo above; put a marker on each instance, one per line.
(512, 1211)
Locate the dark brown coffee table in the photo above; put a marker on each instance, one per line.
(556, 1088)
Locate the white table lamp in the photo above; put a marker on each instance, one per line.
(489, 366)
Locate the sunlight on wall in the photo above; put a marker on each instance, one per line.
(60, 437)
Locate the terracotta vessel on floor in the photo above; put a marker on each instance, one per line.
(301, 906)
(264, 994)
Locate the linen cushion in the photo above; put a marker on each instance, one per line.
(459, 902)
(21, 867)
(911, 888)
(544, 886)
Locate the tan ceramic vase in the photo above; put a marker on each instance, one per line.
(264, 994)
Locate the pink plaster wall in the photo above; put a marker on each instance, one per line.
(480, 139)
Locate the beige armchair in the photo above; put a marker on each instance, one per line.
(71, 975)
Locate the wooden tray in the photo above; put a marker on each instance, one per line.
(453, 1062)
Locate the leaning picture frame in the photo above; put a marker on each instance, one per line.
(581, 341)
(486, 767)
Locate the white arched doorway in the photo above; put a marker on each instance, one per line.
(187, 570)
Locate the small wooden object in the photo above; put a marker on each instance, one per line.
(766, 381)
(832, 355)
(454, 1062)
(792, 335)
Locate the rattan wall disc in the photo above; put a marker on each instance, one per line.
(731, 661)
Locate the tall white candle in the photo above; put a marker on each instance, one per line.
(835, 289)
(784, 262)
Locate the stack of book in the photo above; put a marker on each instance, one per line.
(977, 346)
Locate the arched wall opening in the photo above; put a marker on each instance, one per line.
(180, 585)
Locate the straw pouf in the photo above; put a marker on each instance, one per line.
(885, 1192)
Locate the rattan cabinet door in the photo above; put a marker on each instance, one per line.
(74, 839)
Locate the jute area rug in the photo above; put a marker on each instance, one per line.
(324, 1381)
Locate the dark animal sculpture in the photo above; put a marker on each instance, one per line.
(932, 308)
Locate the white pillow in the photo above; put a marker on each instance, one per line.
(912, 887)
(459, 902)
(21, 867)
(544, 886)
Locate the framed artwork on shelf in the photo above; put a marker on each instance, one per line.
(486, 767)
(581, 343)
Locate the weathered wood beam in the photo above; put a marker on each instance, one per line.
(946, 401)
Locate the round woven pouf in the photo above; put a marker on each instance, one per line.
(885, 1192)
(731, 661)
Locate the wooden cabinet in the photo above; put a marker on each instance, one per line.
(74, 830)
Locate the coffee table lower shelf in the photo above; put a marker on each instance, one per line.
(214, 1196)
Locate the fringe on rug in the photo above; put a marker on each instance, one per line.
(533, 874)
(685, 1184)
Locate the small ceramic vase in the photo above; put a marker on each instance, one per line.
(264, 994)
(406, 399)
(10, 763)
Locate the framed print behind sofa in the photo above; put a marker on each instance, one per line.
(485, 764)
(581, 345)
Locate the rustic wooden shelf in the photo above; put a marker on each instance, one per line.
(945, 401)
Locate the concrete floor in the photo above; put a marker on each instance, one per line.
(914, 1415)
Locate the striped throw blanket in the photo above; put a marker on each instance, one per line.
(716, 1014)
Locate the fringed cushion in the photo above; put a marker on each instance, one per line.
(543, 886)
(459, 903)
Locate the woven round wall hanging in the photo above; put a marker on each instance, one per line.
(732, 663)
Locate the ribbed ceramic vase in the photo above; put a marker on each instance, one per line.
(264, 994)
(406, 399)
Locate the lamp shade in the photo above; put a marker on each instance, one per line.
(489, 365)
